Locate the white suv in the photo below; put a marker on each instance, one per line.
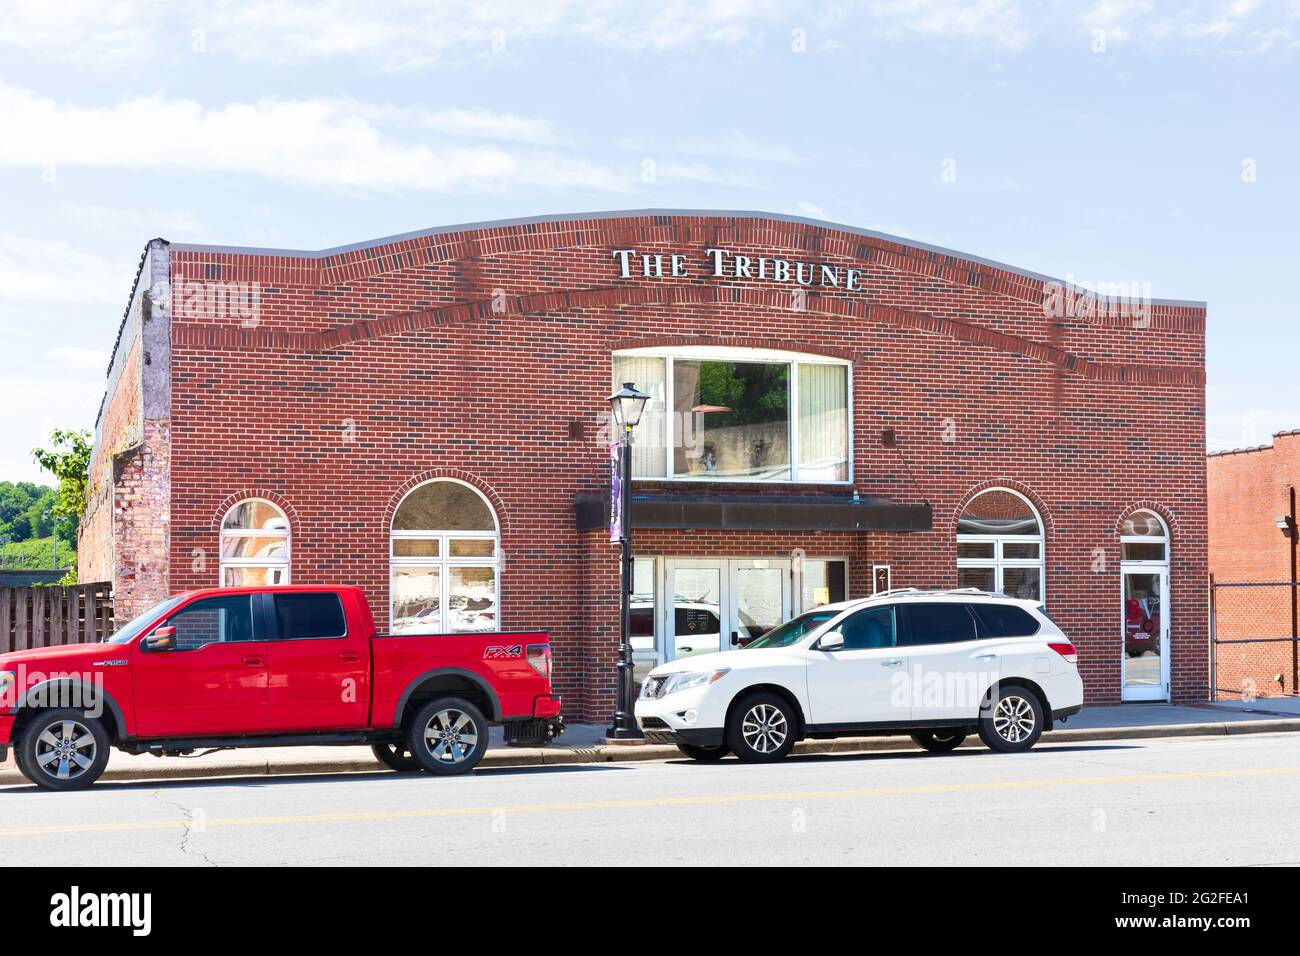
(937, 665)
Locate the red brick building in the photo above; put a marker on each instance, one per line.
(1251, 500)
(833, 411)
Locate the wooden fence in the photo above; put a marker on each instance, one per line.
(46, 616)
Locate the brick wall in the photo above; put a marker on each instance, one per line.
(474, 354)
(123, 534)
(1247, 491)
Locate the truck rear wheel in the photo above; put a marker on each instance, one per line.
(395, 756)
(62, 749)
(448, 736)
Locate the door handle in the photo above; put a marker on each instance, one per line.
(253, 660)
(895, 662)
(687, 650)
(985, 657)
(350, 657)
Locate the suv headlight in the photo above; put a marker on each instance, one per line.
(685, 680)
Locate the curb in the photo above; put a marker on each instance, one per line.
(173, 769)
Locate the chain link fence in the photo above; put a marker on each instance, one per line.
(1254, 651)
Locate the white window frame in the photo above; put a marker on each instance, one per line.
(285, 562)
(445, 562)
(733, 354)
(998, 563)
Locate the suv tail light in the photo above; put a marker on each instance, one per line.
(1067, 651)
(539, 656)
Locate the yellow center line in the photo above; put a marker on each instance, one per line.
(650, 802)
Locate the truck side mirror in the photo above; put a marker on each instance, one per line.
(830, 641)
(162, 639)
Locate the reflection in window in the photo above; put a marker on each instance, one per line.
(1143, 537)
(445, 560)
(254, 545)
(823, 583)
(1000, 545)
(734, 419)
(759, 419)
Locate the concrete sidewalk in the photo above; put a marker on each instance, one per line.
(585, 743)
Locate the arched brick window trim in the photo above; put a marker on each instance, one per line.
(289, 513)
(1169, 517)
(736, 342)
(1044, 514)
(503, 521)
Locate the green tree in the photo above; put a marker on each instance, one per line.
(68, 460)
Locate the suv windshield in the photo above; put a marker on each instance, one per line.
(137, 624)
(786, 634)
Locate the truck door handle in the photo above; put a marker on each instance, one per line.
(894, 662)
(252, 660)
(350, 657)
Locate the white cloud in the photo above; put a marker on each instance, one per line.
(998, 21)
(812, 211)
(53, 270)
(1235, 26)
(95, 32)
(318, 142)
(33, 407)
(79, 358)
(139, 224)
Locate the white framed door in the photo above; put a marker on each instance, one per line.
(760, 598)
(717, 604)
(1144, 631)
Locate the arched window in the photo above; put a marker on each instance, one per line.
(254, 545)
(1144, 537)
(1000, 545)
(445, 548)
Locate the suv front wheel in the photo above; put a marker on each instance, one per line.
(1012, 719)
(761, 728)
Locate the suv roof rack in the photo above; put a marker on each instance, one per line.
(939, 591)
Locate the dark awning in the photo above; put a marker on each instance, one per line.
(758, 513)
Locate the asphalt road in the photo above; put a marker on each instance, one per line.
(1170, 801)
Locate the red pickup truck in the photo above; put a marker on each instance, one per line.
(272, 667)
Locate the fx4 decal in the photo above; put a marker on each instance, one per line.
(498, 652)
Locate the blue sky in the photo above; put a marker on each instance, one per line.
(1108, 141)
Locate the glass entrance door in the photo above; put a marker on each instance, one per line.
(696, 606)
(1145, 629)
(760, 599)
(719, 604)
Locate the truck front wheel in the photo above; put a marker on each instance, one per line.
(448, 736)
(62, 750)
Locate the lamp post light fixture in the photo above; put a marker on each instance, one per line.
(626, 405)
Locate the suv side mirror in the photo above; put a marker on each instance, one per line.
(162, 639)
(830, 641)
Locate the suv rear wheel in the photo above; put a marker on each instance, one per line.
(761, 728)
(1012, 720)
(448, 736)
(939, 741)
(62, 750)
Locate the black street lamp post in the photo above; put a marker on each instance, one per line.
(626, 404)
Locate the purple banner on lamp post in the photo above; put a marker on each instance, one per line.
(615, 492)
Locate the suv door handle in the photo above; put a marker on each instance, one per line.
(893, 662)
(350, 657)
(253, 660)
